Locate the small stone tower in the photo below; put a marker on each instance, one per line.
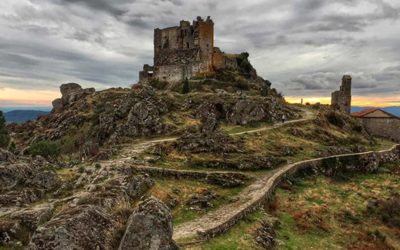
(342, 98)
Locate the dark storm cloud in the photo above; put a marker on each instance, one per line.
(175, 2)
(302, 46)
(112, 7)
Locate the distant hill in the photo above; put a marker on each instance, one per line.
(20, 116)
(392, 109)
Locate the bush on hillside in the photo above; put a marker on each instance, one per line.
(244, 64)
(185, 88)
(335, 118)
(4, 136)
(388, 210)
(47, 149)
(157, 84)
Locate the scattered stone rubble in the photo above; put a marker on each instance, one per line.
(87, 214)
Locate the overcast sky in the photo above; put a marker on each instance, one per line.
(302, 46)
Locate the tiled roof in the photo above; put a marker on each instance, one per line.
(367, 111)
(364, 112)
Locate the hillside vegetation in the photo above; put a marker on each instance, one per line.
(122, 167)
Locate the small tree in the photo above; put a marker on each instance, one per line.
(185, 88)
(47, 149)
(4, 136)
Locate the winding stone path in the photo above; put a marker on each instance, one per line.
(138, 148)
(222, 219)
(249, 199)
(253, 196)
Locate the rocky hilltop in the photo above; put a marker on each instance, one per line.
(90, 123)
(188, 164)
(76, 197)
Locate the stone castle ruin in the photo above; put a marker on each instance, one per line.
(342, 98)
(186, 51)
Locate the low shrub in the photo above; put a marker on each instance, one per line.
(389, 211)
(4, 136)
(335, 118)
(47, 149)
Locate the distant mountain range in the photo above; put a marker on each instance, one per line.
(392, 109)
(20, 116)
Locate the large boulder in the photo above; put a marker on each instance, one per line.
(30, 175)
(145, 112)
(34, 216)
(6, 156)
(240, 109)
(81, 227)
(70, 93)
(149, 227)
(57, 104)
(213, 141)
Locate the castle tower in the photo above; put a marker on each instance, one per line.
(186, 51)
(346, 98)
(205, 39)
(342, 98)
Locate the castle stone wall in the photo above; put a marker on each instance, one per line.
(185, 51)
(223, 61)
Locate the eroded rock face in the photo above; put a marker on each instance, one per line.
(266, 235)
(81, 227)
(6, 156)
(25, 180)
(216, 141)
(70, 92)
(145, 112)
(34, 216)
(31, 175)
(149, 227)
(241, 109)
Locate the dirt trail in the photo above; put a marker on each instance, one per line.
(250, 198)
(138, 148)
(245, 199)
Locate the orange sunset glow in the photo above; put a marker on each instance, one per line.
(32, 97)
(356, 100)
(24, 97)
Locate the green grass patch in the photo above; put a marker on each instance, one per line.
(240, 236)
(180, 192)
(326, 214)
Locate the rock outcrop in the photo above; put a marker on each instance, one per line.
(6, 156)
(242, 109)
(217, 141)
(81, 227)
(33, 175)
(149, 227)
(70, 92)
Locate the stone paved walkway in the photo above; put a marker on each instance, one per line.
(229, 214)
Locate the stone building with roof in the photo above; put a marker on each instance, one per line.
(380, 123)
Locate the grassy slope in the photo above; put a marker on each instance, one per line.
(306, 140)
(321, 213)
(182, 190)
(307, 144)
